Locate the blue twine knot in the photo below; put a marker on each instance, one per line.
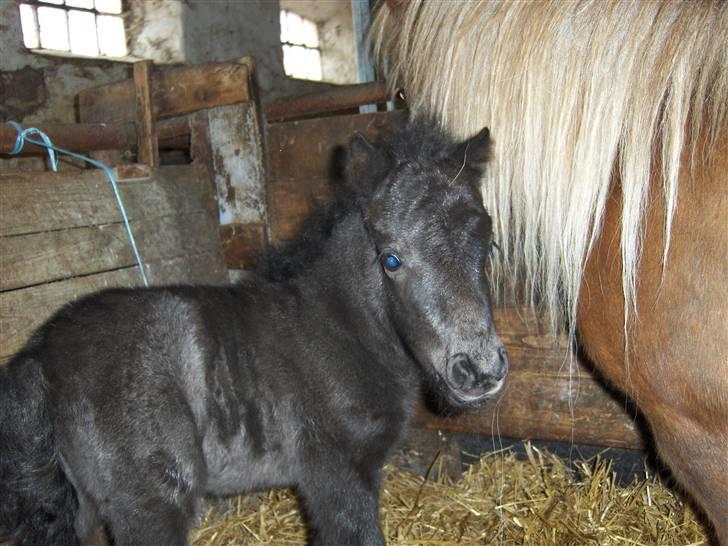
(23, 136)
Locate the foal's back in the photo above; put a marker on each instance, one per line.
(155, 402)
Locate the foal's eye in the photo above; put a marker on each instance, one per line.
(391, 262)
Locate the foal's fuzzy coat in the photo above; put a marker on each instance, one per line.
(129, 406)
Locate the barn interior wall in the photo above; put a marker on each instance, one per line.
(38, 88)
(336, 34)
(41, 88)
(338, 47)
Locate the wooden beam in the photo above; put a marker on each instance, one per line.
(307, 148)
(175, 92)
(344, 97)
(543, 399)
(147, 146)
(86, 137)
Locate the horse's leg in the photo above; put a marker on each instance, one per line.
(677, 365)
(145, 479)
(155, 521)
(341, 508)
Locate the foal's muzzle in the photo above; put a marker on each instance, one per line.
(474, 381)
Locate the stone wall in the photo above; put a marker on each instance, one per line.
(37, 88)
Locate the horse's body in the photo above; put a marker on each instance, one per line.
(129, 406)
(610, 181)
(676, 369)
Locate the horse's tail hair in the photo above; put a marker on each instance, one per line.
(37, 501)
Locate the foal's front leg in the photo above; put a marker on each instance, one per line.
(342, 508)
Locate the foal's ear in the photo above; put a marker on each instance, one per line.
(474, 151)
(367, 164)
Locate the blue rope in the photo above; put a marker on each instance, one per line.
(45, 142)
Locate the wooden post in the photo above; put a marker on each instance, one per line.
(147, 145)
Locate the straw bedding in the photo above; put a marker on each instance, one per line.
(499, 500)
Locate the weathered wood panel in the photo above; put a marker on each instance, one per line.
(302, 164)
(292, 201)
(23, 310)
(61, 237)
(33, 202)
(49, 256)
(307, 148)
(174, 91)
(542, 399)
(242, 244)
(237, 163)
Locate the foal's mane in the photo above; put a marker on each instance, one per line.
(293, 257)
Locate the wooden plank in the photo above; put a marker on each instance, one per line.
(147, 144)
(38, 258)
(200, 139)
(237, 160)
(542, 399)
(174, 92)
(344, 97)
(242, 244)
(34, 202)
(24, 310)
(537, 407)
(302, 164)
(291, 201)
(204, 267)
(302, 149)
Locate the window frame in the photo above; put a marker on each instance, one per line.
(303, 45)
(68, 53)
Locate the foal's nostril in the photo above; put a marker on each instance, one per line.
(503, 363)
(461, 370)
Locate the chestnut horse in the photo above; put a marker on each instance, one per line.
(609, 185)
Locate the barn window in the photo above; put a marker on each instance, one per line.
(301, 48)
(88, 28)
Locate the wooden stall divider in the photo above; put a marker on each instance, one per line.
(147, 145)
(61, 236)
(174, 92)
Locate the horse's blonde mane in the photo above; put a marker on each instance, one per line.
(572, 91)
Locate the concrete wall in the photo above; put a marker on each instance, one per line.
(338, 47)
(228, 30)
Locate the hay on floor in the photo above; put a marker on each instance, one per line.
(500, 500)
